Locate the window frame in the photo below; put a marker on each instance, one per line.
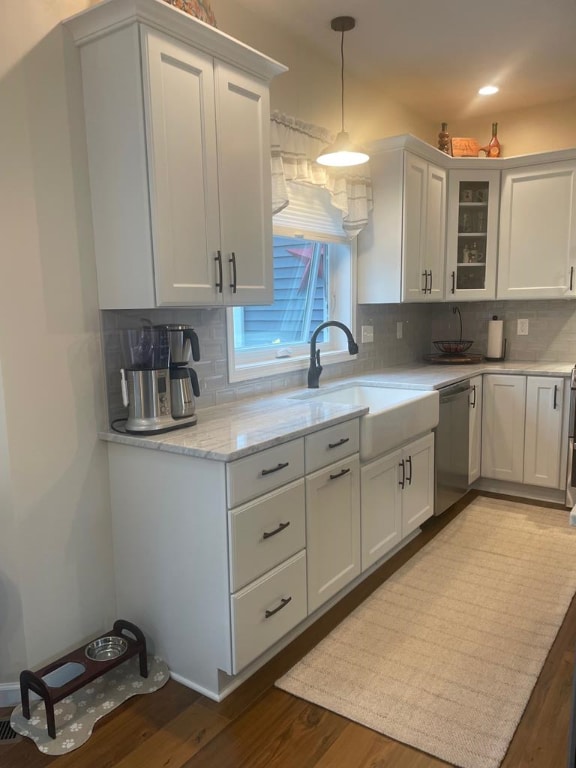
(257, 363)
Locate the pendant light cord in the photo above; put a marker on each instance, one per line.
(342, 78)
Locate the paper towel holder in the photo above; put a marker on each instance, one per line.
(503, 355)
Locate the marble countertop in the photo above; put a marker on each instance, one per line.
(229, 432)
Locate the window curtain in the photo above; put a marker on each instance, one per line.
(295, 147)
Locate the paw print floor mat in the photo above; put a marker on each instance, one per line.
(77, 714)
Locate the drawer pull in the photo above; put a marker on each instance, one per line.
(283, 603)
(281, 527)
(340, 442)
(339, 474)
(274, 469)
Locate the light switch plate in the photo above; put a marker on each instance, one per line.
(522, 328)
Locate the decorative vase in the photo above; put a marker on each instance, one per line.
(444, 140)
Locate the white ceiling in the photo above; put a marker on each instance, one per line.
(433, 55)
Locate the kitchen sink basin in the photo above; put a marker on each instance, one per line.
(394, 417)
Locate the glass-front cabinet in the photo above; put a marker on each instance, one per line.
(472, 230)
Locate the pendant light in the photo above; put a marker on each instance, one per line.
(342, 152)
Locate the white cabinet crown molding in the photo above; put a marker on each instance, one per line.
(433, 155)
(108, 15)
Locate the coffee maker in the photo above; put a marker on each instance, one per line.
(183, 344)
(145, 382)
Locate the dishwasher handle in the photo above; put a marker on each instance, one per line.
(449, 394)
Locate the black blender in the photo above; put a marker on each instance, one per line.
(183, 343)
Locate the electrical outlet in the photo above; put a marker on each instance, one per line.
(367, 334)
(522, 328)
(399, 330)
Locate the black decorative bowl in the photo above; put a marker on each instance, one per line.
(453, 347)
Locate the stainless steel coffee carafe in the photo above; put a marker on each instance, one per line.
(183, 343)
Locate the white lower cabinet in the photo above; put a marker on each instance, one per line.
(397, 496)
(267, 609)
(332, 529)
(475, 429)
(216, 561)
(522, 429)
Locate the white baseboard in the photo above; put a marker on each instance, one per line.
(9, 694)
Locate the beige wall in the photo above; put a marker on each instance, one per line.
(56, 579)
(522, 132)
(56, 583)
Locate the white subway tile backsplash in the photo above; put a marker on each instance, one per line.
(552, 337)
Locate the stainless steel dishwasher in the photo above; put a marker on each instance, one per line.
(451, 446)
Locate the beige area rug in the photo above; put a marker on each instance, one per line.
(445, 654)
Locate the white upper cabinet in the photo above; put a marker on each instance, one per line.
(401, 253)
(177, 120)
(472, 234)
(537, 247)
(424, 230)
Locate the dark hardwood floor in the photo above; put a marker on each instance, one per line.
(259, 725)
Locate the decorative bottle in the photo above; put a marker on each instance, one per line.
(444, 140)
(494, 149)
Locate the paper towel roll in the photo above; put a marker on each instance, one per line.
(495, 347)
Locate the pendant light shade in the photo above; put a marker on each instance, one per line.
(342, 152)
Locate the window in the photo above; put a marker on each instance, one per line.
(313, 282)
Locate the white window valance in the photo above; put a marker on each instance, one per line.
(295, 147)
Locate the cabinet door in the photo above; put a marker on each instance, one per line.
(424, 230)
(417, 479)
(471, 255)
(181, 143)
(475, 429)
(381, 508)
(243, 120)
(332, 529)
(434, 254)
(543, 431)
(503, 410)
(537, 248)
(414, 280)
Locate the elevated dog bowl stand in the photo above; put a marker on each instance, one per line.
(93, 668)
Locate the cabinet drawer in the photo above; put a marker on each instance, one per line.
(264, 471)
(267, 609)
(265, 532)
(331, 444)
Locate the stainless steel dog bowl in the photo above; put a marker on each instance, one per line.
(106, 648)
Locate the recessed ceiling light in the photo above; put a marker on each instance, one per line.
(488, 90)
